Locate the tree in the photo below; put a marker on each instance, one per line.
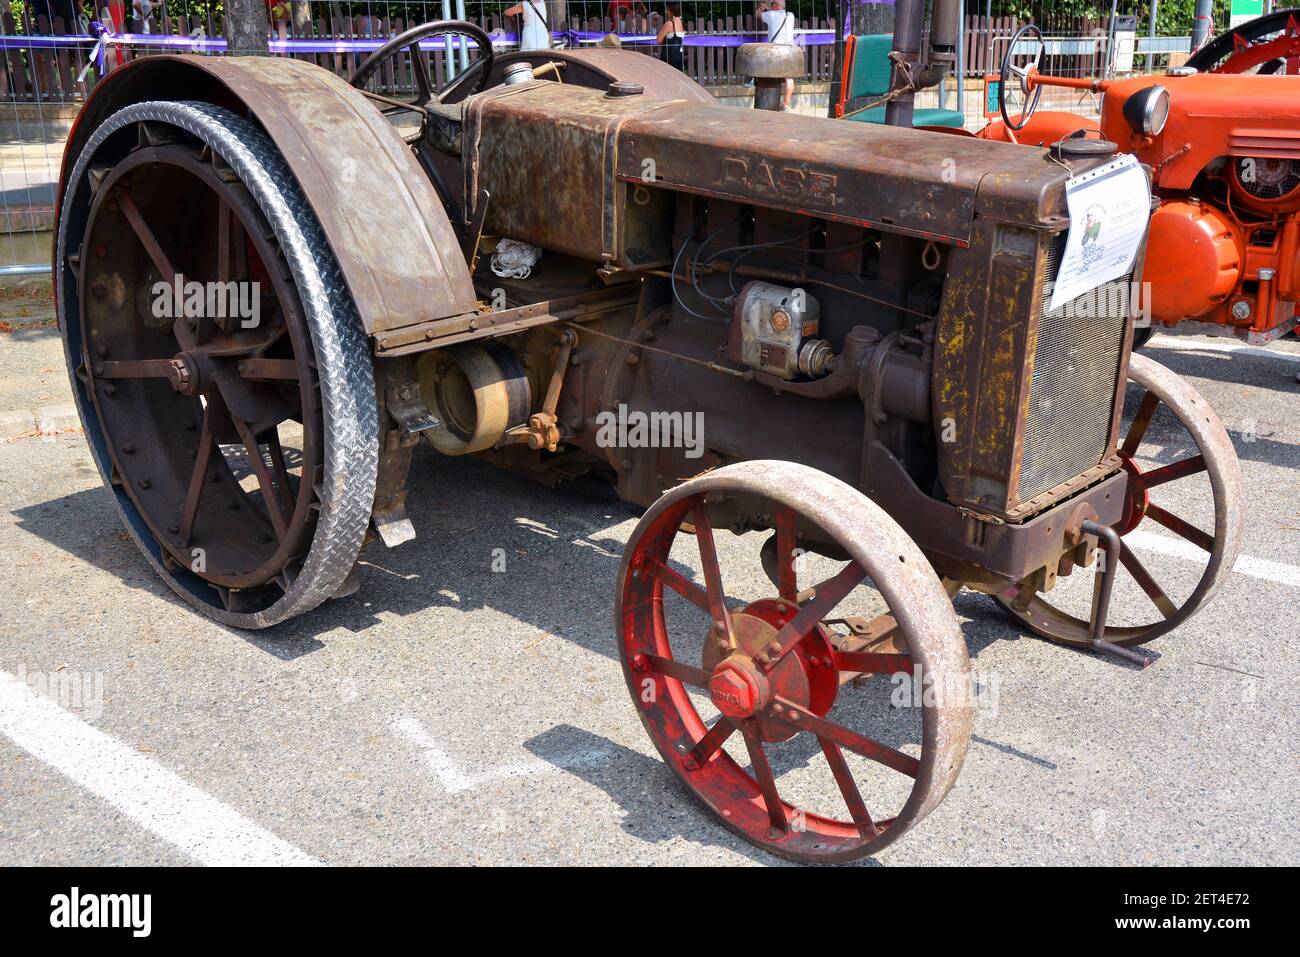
(247, 28)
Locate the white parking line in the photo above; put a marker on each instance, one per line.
(1188, 345)
(456, 781)
(199, 825)
(1263, 568)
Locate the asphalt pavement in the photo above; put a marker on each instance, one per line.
(453, 713)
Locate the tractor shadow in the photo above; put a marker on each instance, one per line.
(1251, 440)
(655, 808)
(562, 550)
(1230, 368)
(487, 539)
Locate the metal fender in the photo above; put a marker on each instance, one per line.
(399, 255)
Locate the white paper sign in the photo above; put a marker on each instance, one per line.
(1125, 47)
(1109, 208)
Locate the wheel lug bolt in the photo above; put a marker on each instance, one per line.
(145, 483)
(101, 351)
(638, 663)
(129, 449)
(173, 529)
(110, 389)
(689, 763)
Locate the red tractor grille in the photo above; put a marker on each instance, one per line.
(1267, 177)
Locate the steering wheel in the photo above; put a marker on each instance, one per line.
(410, 39)
(1023, 73)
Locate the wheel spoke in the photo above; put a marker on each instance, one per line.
(828, 594)
(763, 776)
(1145, 581)
(198, 478)
(1174, 471)
(712, 570)
(287, 501)
(1180, 527)
(133, 369)
(793, 716)
(671, 668)
(258, 463)
(848, 787)
(146, 236)
(872, 663)
(422, 74)
(1150, 402)
(258, 368)
(786, 579)
(708, 745)
(678, 583)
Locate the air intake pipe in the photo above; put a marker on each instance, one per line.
(911, 72)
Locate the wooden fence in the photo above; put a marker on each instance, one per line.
(51, 74)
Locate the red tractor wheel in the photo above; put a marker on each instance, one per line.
(1269, 44)
(1196, 497)
(746, 698)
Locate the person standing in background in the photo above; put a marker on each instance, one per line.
(780, 29)
(618, 9)
(535, 31)
(671, 34)
(277, 11)
(141, 10)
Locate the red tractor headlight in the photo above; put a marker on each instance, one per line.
(1147, 110)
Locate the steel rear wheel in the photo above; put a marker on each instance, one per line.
(219, 366)
(749, 701)
(1200, 484)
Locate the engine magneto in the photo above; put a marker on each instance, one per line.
(774, 330)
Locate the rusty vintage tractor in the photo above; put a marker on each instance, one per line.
(1223, 253)
(888, 410)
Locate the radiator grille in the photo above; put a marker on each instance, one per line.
(1072, 394)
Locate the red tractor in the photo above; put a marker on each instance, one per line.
(1223, 254)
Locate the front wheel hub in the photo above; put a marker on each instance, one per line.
(739, 689)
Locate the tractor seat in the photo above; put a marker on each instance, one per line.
(866, 74)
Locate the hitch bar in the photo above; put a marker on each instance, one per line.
(1105, 583)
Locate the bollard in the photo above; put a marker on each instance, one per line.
(769, 65)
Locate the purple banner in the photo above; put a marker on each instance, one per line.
(159, 41)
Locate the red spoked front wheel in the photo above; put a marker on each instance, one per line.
(746, 694)
(1182, 525)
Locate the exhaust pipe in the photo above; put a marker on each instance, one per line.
(940, 55)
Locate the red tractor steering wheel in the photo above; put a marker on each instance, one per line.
(1022, 74)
